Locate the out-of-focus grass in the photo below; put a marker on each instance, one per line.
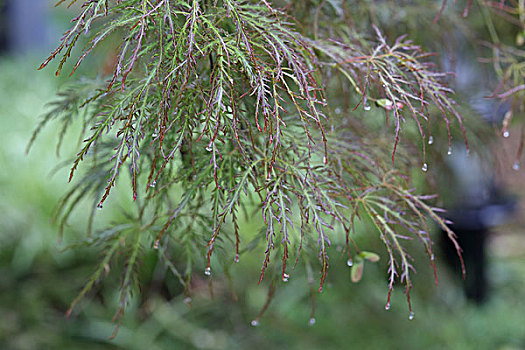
(37, 281)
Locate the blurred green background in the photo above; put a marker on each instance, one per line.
(38, 279)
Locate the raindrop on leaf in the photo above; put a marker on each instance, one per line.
(430, 139)
(311, 322)
(153, 184)
(285, 277)
(449, 152)
(207, 271)
(236, 259)
(411, 315)
(516, 165)
(349, 262)
(506, 134)
(367, 107)
(424, 167)
(387, 306)
(255, 323)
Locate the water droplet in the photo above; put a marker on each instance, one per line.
(285, 277)
(516, 165)
(430, 139)
(337, 110)
(506, 133)
(349, 262)
(367, 107)
(156, 244)
(100, 206)
(449, 152)
(209, 148)
(236, 259)
(411, 315)
(432, 257)
(187, 300)
(207, 271)
(311, 322)
(255, 323)
(153, 184)
(387, 306)
(325, 160)
(424, 167)
(154, 135)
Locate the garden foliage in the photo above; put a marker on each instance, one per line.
(301, 113)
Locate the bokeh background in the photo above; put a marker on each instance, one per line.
(39, 279)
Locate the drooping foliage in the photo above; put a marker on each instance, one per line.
(295, 113)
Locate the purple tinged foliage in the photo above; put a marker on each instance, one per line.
(246, 105)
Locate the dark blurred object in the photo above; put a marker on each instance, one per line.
(479, 206)
(472, 226)
(24, 26)
(475, 202)
(3, 27)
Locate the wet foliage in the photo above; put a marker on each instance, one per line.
(299, 114)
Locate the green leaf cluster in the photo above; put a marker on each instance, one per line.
(226, 107)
